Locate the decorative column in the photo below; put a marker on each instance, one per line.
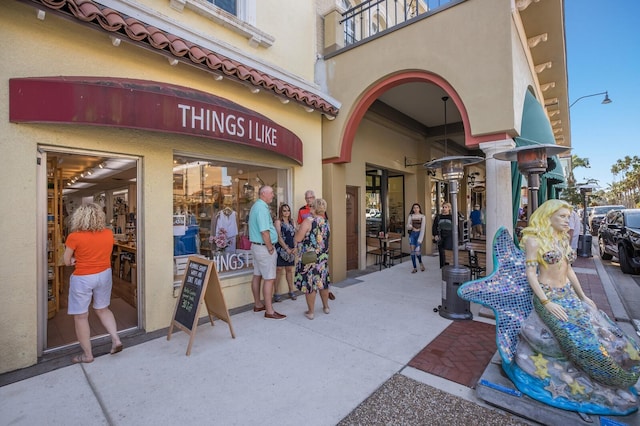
(499, 203)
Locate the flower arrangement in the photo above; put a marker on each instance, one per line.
(220, 240)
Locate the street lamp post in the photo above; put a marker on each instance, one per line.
(605, 101)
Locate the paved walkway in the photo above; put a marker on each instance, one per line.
(349, 367)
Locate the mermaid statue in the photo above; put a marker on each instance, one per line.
(555, 345)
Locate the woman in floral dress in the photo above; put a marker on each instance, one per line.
(313, 235)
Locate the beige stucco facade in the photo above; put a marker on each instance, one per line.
(476, 52)
(485, 66)
(56, 47)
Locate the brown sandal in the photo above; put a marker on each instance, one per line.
(79, 359)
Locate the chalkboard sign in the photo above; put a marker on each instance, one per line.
(195, 280)
(200, 281)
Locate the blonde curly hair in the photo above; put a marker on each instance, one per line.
(540, 228)
(88, 217)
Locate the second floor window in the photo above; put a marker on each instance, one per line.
(228, 5)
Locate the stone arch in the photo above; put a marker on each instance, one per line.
(374, 91)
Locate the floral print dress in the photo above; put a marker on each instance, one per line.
(287, 231)
(314, 276)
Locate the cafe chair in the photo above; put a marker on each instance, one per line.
(393, 248)
(374, 248)
(478, 268)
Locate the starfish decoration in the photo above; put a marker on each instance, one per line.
(506, 291)
(556, 390)
(576, 388)
(539, 361)
(542, 372)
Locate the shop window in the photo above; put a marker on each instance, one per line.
(396, 204)
(384, 202)
(211, 204)
(228, 5)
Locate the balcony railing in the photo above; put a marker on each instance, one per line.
(372, 17)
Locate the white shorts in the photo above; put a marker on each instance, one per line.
(264, 264)
(83, 287)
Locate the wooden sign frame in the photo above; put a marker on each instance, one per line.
(199, 283)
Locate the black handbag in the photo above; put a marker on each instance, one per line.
(309, 257)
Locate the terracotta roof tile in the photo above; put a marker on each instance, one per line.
(157, 38)
(113, 21)
(135, 29)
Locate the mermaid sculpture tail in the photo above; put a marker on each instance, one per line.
(581, 343)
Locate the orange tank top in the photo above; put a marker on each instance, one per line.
(92, 250)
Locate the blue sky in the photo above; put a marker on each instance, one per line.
(603, 54)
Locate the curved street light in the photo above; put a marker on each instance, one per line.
(605, 101)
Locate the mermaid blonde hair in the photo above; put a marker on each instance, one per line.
(541, 229)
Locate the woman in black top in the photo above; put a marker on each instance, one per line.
(442, 231)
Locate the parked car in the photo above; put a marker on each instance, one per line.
(619, 237)
(597, 214)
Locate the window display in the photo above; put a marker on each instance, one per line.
(211, 204)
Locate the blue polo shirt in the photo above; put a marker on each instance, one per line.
(259, 221)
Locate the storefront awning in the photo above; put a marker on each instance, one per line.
(146, 105)
(537, 129)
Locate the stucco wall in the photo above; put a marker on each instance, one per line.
(475, 58)
(56, 47)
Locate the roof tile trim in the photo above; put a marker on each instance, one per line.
(112, 21)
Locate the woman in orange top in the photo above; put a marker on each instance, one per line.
(89, 247)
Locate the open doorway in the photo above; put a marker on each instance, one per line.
(73, 179)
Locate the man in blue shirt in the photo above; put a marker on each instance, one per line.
(476, 221)
(263, 236)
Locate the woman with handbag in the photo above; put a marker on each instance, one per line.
(312, 268)
(442, 231)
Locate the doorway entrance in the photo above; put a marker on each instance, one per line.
(72, 179)
(353, 214)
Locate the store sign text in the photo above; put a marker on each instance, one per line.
(147, 105)
(219, 122)
(232, 262)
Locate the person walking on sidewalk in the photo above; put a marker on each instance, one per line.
(88, 248)
(313, 276)
(263, 236)
(416, 224)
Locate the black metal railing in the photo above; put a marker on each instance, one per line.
(372, 17)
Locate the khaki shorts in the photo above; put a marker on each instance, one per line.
(83, 287)
(264, 264)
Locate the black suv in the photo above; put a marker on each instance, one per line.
(620, 237)
(597, 214)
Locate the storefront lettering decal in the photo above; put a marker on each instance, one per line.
(232, 262)
(230, 124)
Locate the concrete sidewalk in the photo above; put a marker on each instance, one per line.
(347, 367)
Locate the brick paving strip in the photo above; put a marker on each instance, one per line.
(460, 353)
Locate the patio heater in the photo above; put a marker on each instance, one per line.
(532, 162)
(584, 240)
(453, 306)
